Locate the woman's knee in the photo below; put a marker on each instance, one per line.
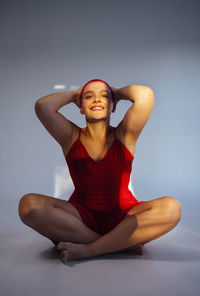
(173, 209)
(28, 203)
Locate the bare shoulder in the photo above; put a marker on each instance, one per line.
(128, 141)
(68, 143)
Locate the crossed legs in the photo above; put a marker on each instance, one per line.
(54, 218)
(59, 220)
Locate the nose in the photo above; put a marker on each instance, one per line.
(96, 99)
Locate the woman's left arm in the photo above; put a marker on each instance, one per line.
(130, 92)
(139, 112)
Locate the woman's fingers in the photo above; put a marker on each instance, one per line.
(77, 99)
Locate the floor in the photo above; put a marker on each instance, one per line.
(30, 265)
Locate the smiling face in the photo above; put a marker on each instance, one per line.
(96, 93)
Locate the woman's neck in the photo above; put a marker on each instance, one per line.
(97, 131)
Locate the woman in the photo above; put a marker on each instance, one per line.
(102, 215)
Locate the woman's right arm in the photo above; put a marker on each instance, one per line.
(59, 127)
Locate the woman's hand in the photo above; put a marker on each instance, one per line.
(117, 97)
(77, 99)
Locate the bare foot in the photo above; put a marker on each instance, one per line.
(137, 249)
(71, 251)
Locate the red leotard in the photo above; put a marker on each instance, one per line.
(101, 193)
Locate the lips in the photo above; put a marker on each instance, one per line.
(96, 107)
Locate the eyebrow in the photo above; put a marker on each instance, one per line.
(91, 91)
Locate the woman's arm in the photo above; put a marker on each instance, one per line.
(57, 100)
(46, 109)
(130, 92)
(139, 112)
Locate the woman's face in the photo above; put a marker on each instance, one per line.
(96, 93)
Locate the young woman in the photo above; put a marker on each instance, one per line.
(102, 215)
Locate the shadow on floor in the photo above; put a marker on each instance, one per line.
(163, 252)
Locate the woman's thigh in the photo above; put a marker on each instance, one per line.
(35, 200)
(161, 202)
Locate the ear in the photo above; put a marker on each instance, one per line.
(81, 111)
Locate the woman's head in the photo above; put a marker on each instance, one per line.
(97, 92)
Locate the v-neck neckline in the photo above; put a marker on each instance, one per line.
(100, 160)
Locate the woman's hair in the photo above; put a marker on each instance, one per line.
(96, 80)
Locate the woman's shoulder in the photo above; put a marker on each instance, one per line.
(75, 135)
(125, 139)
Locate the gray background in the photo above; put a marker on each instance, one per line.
(153, 43)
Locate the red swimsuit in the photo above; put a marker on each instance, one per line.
(101, 193)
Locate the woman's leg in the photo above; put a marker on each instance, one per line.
(54, 218)
(144, 223)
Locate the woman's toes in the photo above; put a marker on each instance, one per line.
(64, 255)
(62, 246)
(59, 246)
(139, 249)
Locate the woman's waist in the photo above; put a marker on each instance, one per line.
(103, 202)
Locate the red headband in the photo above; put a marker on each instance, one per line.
(96, 80)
